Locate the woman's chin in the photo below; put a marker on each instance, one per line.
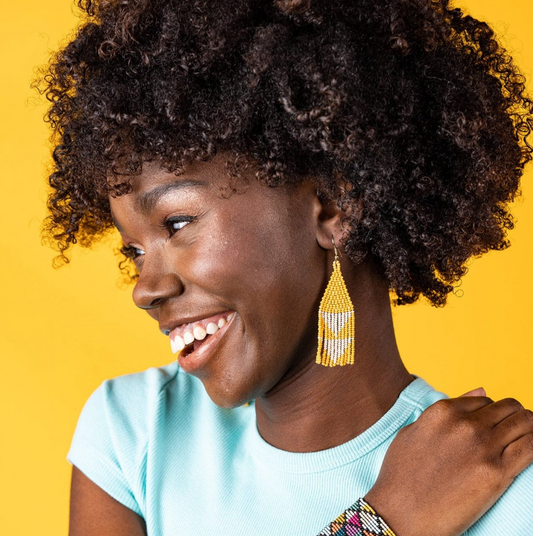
(229, 399)
(229, 391)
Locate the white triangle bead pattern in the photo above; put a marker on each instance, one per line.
(335, 348)
(336, 321)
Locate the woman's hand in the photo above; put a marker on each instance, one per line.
(444, 471)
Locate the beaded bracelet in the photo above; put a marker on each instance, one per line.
(358, 520)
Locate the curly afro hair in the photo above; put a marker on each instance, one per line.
(408, 109)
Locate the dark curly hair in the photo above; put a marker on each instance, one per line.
(408, 109)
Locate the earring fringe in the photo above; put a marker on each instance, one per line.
(336, 323)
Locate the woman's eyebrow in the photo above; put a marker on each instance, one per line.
(148, 200)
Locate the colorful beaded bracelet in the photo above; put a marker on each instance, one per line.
(358, 520)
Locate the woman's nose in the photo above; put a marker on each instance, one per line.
(155, 286)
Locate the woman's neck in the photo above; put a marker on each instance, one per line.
(314, 407)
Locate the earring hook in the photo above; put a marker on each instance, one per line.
(335, 248)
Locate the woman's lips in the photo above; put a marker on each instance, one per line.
(195, 355)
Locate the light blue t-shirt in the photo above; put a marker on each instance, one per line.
(157, 443)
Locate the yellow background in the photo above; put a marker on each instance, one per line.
(64, 331)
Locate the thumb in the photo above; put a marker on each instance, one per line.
(476, 392)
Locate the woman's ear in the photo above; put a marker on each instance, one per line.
(332, 219)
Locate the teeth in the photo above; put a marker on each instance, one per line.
(188, 337)
(199, 333)
(211, 328)
(177, 345)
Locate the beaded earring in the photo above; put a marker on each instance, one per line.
(336, 321)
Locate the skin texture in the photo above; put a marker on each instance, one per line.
(268, 260)
(94, 513)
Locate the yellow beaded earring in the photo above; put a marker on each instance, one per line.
(336, 321)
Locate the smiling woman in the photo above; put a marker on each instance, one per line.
(243, 149)
(255, 254)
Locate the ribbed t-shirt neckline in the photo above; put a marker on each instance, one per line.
(324, 460)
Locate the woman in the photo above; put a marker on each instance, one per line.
(275, 170)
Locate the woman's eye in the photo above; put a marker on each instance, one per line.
(173, 225)
(131, 252)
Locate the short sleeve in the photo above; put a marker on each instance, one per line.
(111, 438)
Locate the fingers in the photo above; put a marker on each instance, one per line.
(493, 412)
(504, 428)
(515, 435)
(476, 392)
(501, 410)
(517, 425)
(518, 455)
(466, 403)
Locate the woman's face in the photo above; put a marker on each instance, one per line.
(203, 255)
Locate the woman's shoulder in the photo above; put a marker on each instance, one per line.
(135, 398)
(149, 382)
(118, 410)
(133, 407)
(121, 421)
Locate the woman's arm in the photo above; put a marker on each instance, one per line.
(95, 513)
(439, 475)
(444, 471)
